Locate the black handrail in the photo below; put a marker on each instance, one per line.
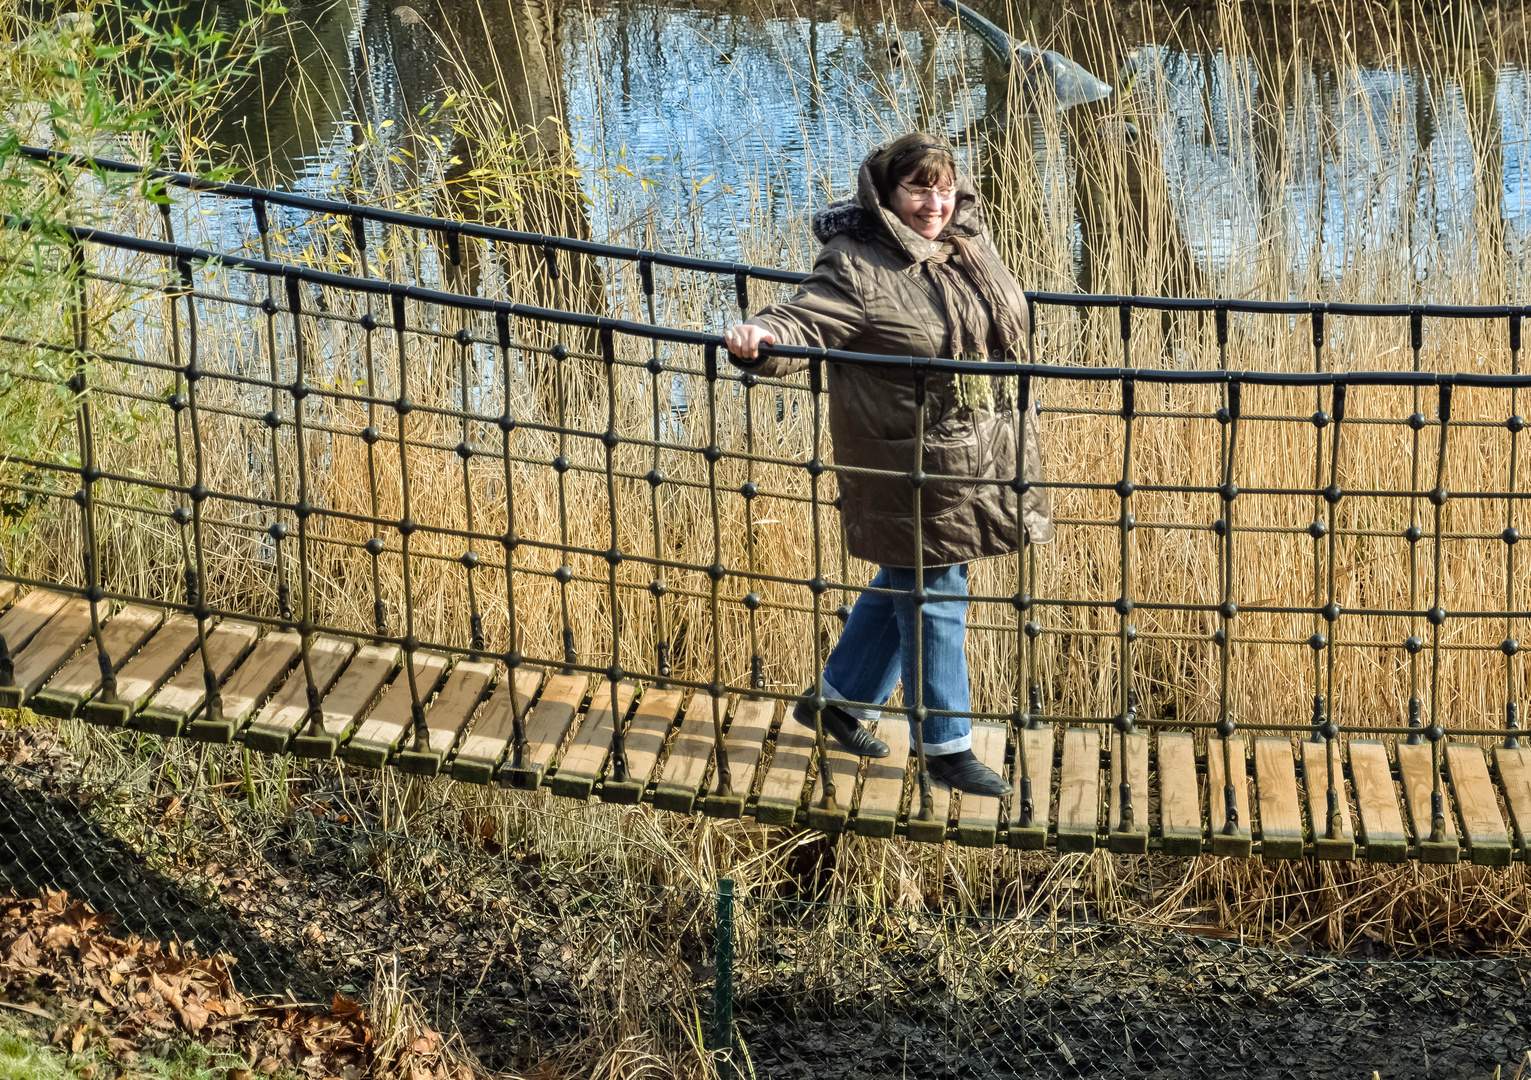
(490, 306)
(386, 216)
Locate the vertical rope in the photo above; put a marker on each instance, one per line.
(1511, 535)
(565, 573)
(655, 478)
(181, 515)
(749, 490)
(193, 555)
(1021, 486)
(277, 530)
(1228, 608)
(90, 472)
(212, 702)
(304, 508)
(513, 654)
(369, 434)
(1125, 522)
(614, 556)
(1317, 529)
(1414, 644)
(1032, 627)
(717, 571)
(465, 451)
(914, 697)
(1331, 612)
(402, 408)
(817, 585)
(1436, 617)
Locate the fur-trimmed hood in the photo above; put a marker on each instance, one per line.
(863, 216)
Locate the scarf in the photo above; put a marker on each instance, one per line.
(984, 325)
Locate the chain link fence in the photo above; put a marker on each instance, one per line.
(545, 973)
(943, 995)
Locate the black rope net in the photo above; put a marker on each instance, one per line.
(1320, 547)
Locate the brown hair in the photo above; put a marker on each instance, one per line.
(919, 157)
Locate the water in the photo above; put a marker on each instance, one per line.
(717, 127)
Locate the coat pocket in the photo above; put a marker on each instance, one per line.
(947, 455)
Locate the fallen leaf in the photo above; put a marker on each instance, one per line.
(28, 1007)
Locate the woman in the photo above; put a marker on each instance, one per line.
(907, 269)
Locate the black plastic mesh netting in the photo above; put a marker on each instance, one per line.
(535, 967)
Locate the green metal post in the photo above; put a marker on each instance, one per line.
(723, 985)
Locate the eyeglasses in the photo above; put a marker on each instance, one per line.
(920, 194)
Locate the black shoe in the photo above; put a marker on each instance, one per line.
(963, 771)
(844, 728)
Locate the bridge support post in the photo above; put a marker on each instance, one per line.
(723, 984)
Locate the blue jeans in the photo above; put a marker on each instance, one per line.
(877, 649)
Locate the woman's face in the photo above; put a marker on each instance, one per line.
(924, 209)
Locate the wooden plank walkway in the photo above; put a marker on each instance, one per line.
(1382, 786)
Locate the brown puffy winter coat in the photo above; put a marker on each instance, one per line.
(871, 291)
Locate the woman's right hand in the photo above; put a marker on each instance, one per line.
(744, 340)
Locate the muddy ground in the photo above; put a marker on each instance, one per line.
(537, 972)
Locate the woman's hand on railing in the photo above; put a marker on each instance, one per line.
(744, 340)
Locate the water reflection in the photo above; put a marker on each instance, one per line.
(716, 126)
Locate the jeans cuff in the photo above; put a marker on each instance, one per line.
(830, 694)
(951, 746)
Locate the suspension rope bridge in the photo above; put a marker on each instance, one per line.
(510, 619)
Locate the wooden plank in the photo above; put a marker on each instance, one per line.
(380, 732)
(1488, 840)
(447, 717)
(1132, 840)
(1239, 842)
(349, 699)
(1281, 832)
(179, 699)
(1377, 800)
(978, 821)
(254, 678)
(580, 766)
(1030, 833)
(845, 770)
(287, 710)
(646, 734)
(78, 680)
(932, 829)
(1416, 771)
(1316, 764)
(150, 667)
(8, 591)
(882, 789)
(1079, 790)
(479, 755)
(50, 648)
(31, 613)
(680, 777)
(546, 726)
(781, 789)
(745, 741)
(1180, 821)
(1514, 768)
